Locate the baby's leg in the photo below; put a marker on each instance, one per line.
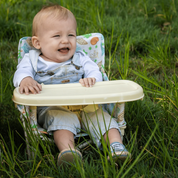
(64, 139)
(113, 136)
(64, 125)
(102, 124)
(98, 123)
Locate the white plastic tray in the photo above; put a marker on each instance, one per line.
(74, 94)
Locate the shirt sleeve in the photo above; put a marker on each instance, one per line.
(24, 69)
(91, 68)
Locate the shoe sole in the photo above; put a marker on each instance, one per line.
(68, 156)
(120, 156)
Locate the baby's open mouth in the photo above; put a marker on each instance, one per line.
(63, 50)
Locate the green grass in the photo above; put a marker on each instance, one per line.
(141, 44)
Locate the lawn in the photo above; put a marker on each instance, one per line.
(141, 45)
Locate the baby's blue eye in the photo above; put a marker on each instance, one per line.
(57, 36)
(71, 35)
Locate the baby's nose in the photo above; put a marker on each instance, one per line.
(65, 39)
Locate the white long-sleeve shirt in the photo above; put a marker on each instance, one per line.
(25, 68)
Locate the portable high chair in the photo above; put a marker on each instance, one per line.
(112, 95)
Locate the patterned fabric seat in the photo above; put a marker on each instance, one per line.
(92, 45)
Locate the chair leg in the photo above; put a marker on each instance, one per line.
(120, 117)
(29, 120)
(85, 144)
(33, 129)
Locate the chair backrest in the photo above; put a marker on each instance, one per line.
(91, 44)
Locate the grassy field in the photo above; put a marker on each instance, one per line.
(141, 44)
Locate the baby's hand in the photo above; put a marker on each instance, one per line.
(29, 85)
(87, 82)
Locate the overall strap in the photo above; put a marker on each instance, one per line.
(76, 59)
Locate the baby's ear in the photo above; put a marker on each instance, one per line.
(35, 42)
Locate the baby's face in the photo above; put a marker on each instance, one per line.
(57, 39)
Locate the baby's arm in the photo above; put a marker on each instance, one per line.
(92, 73)
(23, 77)
(29, 85)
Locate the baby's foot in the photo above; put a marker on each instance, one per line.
(68, 156)
(119, 152)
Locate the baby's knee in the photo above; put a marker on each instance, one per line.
(99, 122)
(59, 120)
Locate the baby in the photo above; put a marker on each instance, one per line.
(54, 60)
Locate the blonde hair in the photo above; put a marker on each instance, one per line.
(54, 11)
